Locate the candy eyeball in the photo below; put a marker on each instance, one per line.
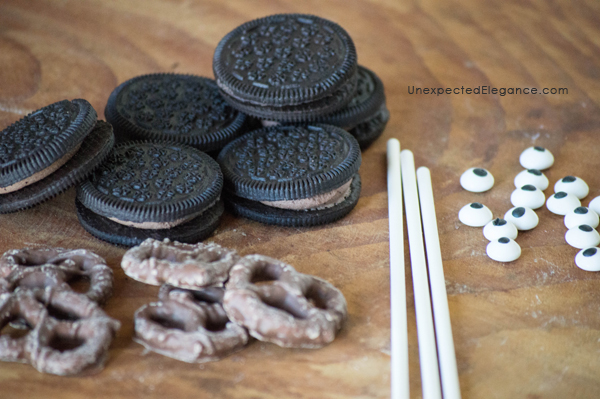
(595, 205)
(528, 196)
(536, 158)
(581, 215)
(562, 203)
(582, 237)
(588, 259)
(499, 228)
(572, 185)
(475, 214)
(477, 180)
(533, 177)
(523, 218)
(503, 250)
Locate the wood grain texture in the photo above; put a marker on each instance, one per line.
(528, 329)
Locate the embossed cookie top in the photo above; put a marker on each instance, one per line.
(36, 130)
(365, 86)
(284, 59)
(365, 103)
(42, 137)
(142, 181)
(184, 108)
(289, 162)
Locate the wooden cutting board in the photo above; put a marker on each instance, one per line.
(527, 329)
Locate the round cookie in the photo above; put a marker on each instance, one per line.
(93, 150)
(286, 62)
(152, 188)
(184, 109)
(365, 103)
(41, 142)
(295, 170)
(366, 115)
(370, 130)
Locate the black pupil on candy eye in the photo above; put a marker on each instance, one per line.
(518, 212)
(590, 252)
(476, 205)
(503, 240)
(499, 222)
(569, 179)
(528, 187)
(560, 194)
(541, 149)
(480, 172)
(586, 228)
(534, 172)
(581, 210)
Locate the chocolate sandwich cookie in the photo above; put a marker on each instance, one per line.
(370, 130)
(92, 151)
(366, 115)
(36, 146)
(287, 67)
(292, 175)
(184, 109)
(152, 190)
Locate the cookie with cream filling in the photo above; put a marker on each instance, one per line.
(34, 148)
(147, 189)
(292, 175)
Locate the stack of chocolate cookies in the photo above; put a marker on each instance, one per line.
(286, 117)
(295, 68)
(299, 75)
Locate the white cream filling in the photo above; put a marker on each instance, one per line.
(41, 174)
(320, 201)
(154, 225)
(161, 225)
(267, 123)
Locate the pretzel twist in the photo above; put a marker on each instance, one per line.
(182, 265)
(68, 334)
(189, 325)
(295, 310)
(61, 266)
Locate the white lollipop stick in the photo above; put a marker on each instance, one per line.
(441, 313)
(430, 375)
(399, 329)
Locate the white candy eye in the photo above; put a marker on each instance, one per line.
(499, 228)
(528, 196)
(595, 205)
(572, 185)
(533, 177)
(562, 203)
(523, 218)
(536, 158)
(588, 259)
(503, 250)
(475, 214)
(581, 215)
(476, 180)
(582, 237)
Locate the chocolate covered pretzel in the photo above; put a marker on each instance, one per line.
(294, 310)
(60, 265)
(182, 265)
(69, 332)
(189, 325)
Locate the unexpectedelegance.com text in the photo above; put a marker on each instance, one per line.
(503, 91)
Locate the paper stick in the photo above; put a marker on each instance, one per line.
(430, 377)
(399, 334)
(441, 313)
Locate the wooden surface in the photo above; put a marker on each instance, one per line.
(528, 329)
